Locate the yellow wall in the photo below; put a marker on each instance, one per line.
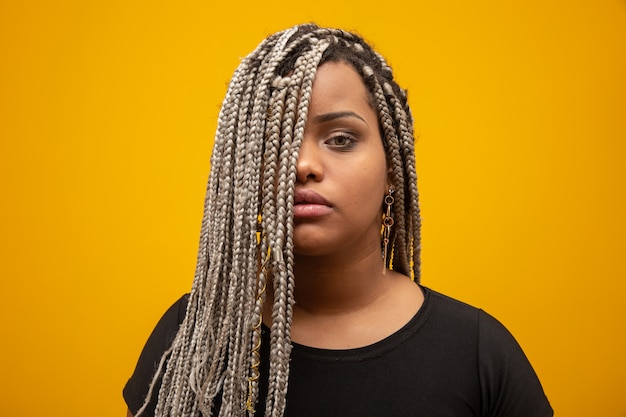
(106, 117)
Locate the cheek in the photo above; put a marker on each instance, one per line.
(364, 180)
(377, 174)
(369, 189)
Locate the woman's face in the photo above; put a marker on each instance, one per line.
(342, 168)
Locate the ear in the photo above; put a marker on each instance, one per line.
(390, 183)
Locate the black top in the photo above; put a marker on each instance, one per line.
(451, 359)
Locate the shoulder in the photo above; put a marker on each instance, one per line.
(508, 383)
(452, 310)
(167, 327)
(449, 312)
(488, 335)
(157, 344)
(446, 301)
(174, 315)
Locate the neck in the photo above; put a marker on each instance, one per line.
(331, 285)
(340, 304)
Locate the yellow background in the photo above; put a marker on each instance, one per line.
(107, 111)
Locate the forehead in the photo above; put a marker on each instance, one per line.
(338, 87)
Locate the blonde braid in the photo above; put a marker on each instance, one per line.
(296, 95)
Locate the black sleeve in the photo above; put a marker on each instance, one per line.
(509, 385)
(160, 340)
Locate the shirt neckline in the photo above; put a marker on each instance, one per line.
(370, 351)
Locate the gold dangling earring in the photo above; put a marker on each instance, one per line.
(387, 223)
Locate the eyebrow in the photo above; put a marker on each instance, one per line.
(327, 117)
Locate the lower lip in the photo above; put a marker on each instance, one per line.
(301, 211)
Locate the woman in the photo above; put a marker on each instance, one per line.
(306, 299)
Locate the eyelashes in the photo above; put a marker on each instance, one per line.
(342, 142)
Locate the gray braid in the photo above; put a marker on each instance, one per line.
(214, 357)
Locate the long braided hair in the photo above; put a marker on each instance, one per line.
(246, 237)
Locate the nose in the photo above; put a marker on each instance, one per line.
(309, 165)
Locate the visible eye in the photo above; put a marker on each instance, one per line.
(341, 142)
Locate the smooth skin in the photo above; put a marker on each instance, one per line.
(344, 296)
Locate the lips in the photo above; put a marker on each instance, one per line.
(309, 204)
(305, 196)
